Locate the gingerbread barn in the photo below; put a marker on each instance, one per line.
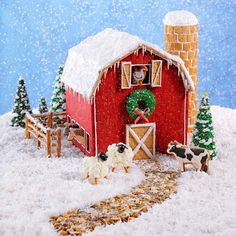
(107, 70)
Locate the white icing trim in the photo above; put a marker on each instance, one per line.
(95, 126)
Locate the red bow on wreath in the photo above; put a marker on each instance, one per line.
(141, 114)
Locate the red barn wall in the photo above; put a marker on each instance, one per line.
(82, 112)
(169, 114)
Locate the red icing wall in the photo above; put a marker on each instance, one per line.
(82, 112)
(169, 114)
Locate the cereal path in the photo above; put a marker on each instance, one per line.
(157, 187)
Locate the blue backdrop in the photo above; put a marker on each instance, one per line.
(35, 36)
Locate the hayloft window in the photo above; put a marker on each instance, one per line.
(141, 74)
(156, 73)
(135, 74)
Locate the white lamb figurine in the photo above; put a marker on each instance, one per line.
(95, 168)
(120, 155)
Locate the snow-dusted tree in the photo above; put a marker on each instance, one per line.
(58, 103)
(21, 104)
(203, 133)
(43, 108)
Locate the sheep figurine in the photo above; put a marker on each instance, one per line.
(95, 168)
(120, 155)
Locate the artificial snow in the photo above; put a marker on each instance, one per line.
(86, 60)
(33, 188)
(180, 18)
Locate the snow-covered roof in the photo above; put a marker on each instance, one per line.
(180, 18)
(86, 61)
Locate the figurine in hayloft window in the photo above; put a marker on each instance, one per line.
(140, 75)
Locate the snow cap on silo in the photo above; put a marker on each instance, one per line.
(180, 18)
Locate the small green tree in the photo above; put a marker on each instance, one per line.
(43, 108)
(58, 103)
(21, 104)
(203, 133)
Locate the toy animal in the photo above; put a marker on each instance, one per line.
(139, 74)
(96, 168)
(198, 157)
(68, 127)
(120, 155)
(74, 131)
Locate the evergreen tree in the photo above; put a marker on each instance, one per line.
(203, 134)
(21, 105)
(43, 108)
(58, 103)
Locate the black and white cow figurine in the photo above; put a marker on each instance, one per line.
(198, 157)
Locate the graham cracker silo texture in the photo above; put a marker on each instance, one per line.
(181, 39)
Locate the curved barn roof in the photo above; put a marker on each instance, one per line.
(88, 60)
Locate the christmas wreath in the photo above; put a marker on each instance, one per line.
(141, 100)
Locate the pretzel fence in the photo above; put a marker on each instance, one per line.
(46, 129)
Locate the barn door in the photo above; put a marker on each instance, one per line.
(141, 138)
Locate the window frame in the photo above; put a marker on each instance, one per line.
(68, 119)
(80, 127)
(87, 143)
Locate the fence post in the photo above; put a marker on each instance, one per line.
(48, 136)
(50, 120)
(27, 133)
(58, 143)
(38, 143)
